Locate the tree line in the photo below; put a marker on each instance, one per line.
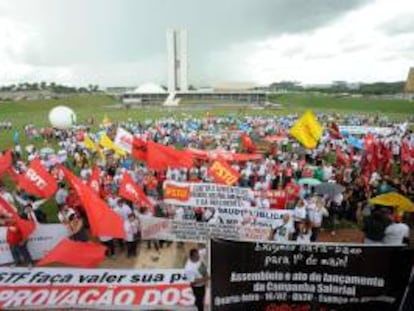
(51, 87)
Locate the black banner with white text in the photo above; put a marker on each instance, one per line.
(270, 276)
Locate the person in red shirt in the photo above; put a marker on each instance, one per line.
(17, 244)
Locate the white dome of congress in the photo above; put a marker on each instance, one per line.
(150, 88)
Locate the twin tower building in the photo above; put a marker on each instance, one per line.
(177, 52)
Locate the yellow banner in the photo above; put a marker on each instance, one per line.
(307, 130)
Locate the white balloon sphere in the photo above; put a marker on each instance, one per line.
(62, 117)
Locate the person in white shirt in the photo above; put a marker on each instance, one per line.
(283, 233)
(7, 196)
(61, 195)
(31, 208)
(305, 233)
(316, 215)
(196, 273)
(132, 230)
(397, 232)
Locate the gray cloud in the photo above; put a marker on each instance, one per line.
(399, 26)
(92, 32)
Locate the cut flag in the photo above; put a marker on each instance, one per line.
(94, 180)
(248, 143)
(307, 130)
(103, 221)
(37, 180)
(334, 131)
(139, 149)
(129, 190)
(26, 227)
(223, 173)
(342, 159)
(5, 162)
(75, 254)
(160, 157)
(89, 143)
(107, 143)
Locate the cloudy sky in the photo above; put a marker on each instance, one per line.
(123, 42)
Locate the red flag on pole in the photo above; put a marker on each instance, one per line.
(103, 220)
(341, 158)
(5, 162)
(76, 254)
(131, 191)
(37, 181)
(139, 149)
(248, 143)
(94, 180)
(334, 132)
(26, 227)
(160, 157)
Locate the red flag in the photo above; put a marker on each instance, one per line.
(94, 180)
(369, 143)
(5, 162)
(160, 157)
(334, 132)
(139, 149)
(131, 191)
(103, 220)
(37, 181)
(247, 143)
(223, 173)
(76, 254)
(407, 155)
(26, 227)
(341, 158)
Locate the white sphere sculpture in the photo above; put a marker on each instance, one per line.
(62, 117)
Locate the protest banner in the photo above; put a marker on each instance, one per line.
(308, 276)
(123, 140)
(45, 288)
(277, 198)
(205, 194)
(154, 228)
(363, 130)
(241, 216)
(43, 239)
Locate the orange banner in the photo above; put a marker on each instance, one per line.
(223, 173)
(177, 193)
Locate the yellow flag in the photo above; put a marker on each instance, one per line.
(307, 130)
(106, 121)
(106, 142)
(101, 154)
(394, 199)
(89, 143)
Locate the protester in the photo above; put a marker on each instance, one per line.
(77, 228)
(17, 244)
(397, 232)
(132, 231)
(196, 273)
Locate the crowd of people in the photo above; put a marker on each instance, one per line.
(284, 163)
